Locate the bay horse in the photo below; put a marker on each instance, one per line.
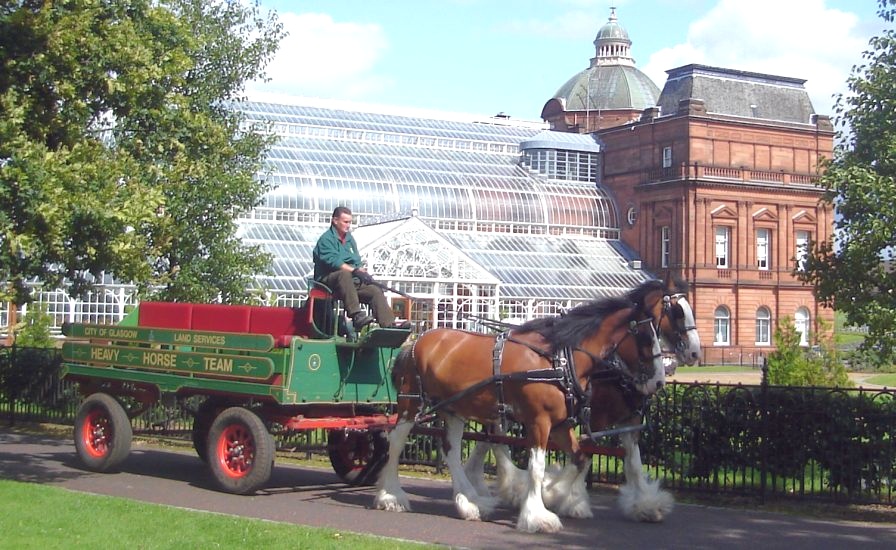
(614, 403)
(667, 301)
(536, 374)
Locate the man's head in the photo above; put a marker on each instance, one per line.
(342, 220)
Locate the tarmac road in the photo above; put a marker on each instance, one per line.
(316, 497)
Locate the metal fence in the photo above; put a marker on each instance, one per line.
(756, 441)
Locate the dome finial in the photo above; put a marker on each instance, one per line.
(612, 45)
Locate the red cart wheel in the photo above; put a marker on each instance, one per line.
(358, 456)
(202, 423)
(240, 451)
(102, 433)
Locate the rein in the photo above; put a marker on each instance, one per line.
(665, 311)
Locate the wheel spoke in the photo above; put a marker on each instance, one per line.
(237, 451)
(97, 433)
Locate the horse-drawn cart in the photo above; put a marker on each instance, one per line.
(258, 369)
(248, 370)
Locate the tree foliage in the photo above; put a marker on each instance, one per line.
(120, 152)
(33, 331)
(855, 271)
(793, 365)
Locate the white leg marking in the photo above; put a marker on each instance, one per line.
(534, 516)
(475, 468)
(390, 496)
(641, 499)
(469, 504)
(565, 492)
(511, 481)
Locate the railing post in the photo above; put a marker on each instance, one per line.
(763, 429)
(11, 383)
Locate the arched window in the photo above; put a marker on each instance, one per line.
(763, 326)
(722, 327)
(801, 322)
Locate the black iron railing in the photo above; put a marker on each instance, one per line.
(758, 441)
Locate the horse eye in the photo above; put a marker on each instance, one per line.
(677, 312)
(644, 339)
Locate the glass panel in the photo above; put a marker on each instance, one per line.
(721, 328)
(762, 248)
(722, 247)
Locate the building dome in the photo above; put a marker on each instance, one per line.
(612, 87)
(612, 30)
(612, 82)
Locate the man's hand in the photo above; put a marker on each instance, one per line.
(362, 276)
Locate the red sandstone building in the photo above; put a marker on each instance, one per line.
(715, 178)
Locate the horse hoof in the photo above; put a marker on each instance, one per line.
(391, 503)
(651, 506)
(580, 511)
(543, 523)
(467, 509)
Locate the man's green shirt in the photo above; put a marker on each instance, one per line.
(330, 253)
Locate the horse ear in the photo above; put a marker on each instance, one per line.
(667, 279)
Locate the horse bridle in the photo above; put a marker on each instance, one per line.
(616, 365)
(680, 328)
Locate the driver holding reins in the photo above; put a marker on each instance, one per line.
(337, 264)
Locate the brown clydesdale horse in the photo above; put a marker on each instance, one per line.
(536, 374)
(614, 403)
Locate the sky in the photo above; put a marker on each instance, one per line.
(485, 57)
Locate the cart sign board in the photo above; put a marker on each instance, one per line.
(198, 339)
(208, 364)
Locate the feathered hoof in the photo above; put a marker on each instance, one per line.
(467, 509)
(651, 506)
(579, 510)
(391, 503)
(544, 522)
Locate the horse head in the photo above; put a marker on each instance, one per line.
(640, 351)
(668, 305)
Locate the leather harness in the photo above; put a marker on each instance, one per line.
(562, 373)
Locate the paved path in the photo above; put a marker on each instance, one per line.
(315, 497)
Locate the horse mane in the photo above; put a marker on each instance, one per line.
(570, 328)
(637, 294)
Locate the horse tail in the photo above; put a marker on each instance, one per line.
(404, 364)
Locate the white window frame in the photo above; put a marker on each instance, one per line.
(667, 157)
(721, 329)
(763, 326)
(801, 320)
(665, 239)
(723, 238)
(763, 248)
(802, 238)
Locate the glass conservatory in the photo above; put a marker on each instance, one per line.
(473, 218)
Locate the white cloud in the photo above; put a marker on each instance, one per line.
(799, 39)
(326, 58)
(566, 25)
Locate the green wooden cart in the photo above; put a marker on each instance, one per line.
(250, 368)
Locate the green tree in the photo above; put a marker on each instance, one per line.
(34, 329)
(855, 271)
(793, 365)
(121, 152)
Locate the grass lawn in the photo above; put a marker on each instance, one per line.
(48, 517)
(888, 379)
(714, 368)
